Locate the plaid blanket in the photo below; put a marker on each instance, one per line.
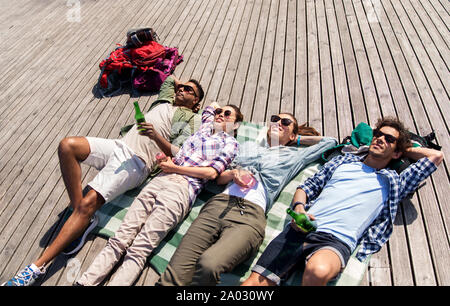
(112, 214)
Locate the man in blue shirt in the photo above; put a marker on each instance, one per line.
(354, 200)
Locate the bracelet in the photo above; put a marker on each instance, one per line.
(294, 205)
(298, 141)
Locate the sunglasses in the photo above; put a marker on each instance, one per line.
(187, 88)
(389, 138)
(284, 121)
(226, 113)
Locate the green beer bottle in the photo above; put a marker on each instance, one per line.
(139, 116)
(302, 221)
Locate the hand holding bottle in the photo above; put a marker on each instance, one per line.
(147, 129)
(302, 221)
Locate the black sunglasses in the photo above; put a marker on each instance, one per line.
(389, 138)
(284, 121)
(226, 113)
(187, 88)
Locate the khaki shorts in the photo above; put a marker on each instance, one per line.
(119, 168)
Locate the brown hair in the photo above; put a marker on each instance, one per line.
(303, 129)
(239, 116)
(237, 110)
(404, 139)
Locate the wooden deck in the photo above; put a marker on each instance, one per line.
(332, 63)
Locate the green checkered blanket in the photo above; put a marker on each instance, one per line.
(112, 214)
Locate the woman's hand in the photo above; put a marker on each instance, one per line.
(238, 175)
(168, 166)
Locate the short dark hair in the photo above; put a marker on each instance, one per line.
(201, 93)
(404, 139)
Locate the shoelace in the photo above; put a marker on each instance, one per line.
(24, 277)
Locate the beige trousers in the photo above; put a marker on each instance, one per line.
(158, 208)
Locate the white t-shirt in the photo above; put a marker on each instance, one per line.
(256, 194)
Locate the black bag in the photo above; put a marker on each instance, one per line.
(137, 37)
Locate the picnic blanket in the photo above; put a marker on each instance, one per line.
(112, 214)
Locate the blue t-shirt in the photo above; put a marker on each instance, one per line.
(350, 202)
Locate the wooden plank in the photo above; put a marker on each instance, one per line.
(194, 68)
(353, 82)
(379, 269)
(386, 103)
(326, 74)
(265, 70)
(215, 66)
(230, 54)
(277, 65)
(402, 273)
(314, 93)
(243, 70)
(248, 98)
(288, 91)
(367, 84)
(418, 244)
(301, 69)
(343, 107)
(193, 44)
(236, 69)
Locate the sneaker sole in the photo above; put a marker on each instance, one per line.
(83, 238)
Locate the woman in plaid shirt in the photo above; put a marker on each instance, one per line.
(354, 201)
(167, 198)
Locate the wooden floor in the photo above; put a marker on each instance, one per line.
(332, 63)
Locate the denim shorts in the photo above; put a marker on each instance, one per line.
(291, 249)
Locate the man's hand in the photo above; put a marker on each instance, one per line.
(298, 229)
(168, 166)
(147, 130)
(434, 156)
(196, 108)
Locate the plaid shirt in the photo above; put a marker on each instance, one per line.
(400, 185)
(206, 149)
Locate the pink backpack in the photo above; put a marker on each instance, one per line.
(152, 79)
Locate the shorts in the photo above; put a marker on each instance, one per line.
(119, 168)
(290, 251)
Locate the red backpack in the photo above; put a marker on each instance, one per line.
(125, 62)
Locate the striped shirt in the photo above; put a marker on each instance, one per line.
(400, 185)
(206, 149)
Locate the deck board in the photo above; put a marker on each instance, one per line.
(332, 63)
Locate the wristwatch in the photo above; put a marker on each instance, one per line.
(294, 205)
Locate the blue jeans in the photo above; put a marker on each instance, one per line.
(291, 249)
